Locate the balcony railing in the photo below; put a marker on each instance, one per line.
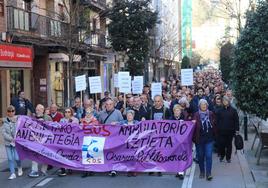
(99, 4)
(33, 24)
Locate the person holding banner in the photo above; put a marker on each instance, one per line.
(178, 115)
(40, 110)
(9, 133)
(159, 112)
(204, 136)
(110, 116)
(68, 118)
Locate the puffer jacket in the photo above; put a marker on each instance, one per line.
(9, 130)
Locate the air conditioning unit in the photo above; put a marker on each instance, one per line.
(3, 36)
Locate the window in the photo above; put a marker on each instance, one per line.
(2, 8)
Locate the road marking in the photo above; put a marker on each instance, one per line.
(189, 176)
(44, 182)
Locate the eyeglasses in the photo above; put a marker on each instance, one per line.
(67, 111)
(11, 111)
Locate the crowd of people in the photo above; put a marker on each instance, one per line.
(209, 104)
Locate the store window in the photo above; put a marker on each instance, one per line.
(16, 82)
(2, 8)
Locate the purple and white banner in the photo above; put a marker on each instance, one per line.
(149, 146)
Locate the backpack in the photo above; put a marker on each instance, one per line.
(238, 142)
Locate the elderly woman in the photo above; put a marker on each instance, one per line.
(204, 138)
(178, 115)
(69, 116)
(129, 118)
(129, 121)
(9, 131)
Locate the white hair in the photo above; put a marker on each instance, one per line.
(203, 101)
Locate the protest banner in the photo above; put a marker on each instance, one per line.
(137, 85)
(124, 82)
(187, 77)
(95, 84)
(156, 89)
(149, 146)
(80, 83)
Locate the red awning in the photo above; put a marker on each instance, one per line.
(16, 56)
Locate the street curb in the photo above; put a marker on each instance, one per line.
(246, 172)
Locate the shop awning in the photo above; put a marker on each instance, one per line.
(62, 57)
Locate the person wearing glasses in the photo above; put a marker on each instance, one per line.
(9, 133)
(68, 118)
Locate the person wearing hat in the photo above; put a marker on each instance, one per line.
(227, 122)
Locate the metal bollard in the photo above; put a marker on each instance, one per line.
(245, 127)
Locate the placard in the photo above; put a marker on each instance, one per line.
(124, 82)
(95, 84)
(137, 85)
(80, 83)
(187, 77)
(156, 89)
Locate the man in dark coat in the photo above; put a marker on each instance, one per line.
(21, 104)
(227, 126)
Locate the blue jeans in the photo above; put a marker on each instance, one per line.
(12, 156)
(205, 154)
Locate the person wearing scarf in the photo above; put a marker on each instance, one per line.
(204, 138)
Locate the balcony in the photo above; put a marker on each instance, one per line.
(95, 39)
(98, 5)
(25, 23)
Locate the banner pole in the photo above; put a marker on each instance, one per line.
(81, 95)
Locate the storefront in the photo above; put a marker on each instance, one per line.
(15, 73)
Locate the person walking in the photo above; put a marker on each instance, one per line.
(204, 134)
(227, 126)
(9, 131)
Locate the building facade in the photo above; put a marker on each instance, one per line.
(43, 28)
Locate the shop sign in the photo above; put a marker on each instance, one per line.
(16, 56)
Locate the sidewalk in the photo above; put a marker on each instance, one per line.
(227, 175)
(242, 172)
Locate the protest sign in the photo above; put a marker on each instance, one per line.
(156, 89)
(149, 146)
(80, 83)
(124, 82)
(95, 84)
(137, 85)
(187, 77)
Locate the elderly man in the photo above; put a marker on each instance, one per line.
(227, 122)
(159, 111)
(40, 109)
(78, 109)
(54, 114)
(110, 116)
